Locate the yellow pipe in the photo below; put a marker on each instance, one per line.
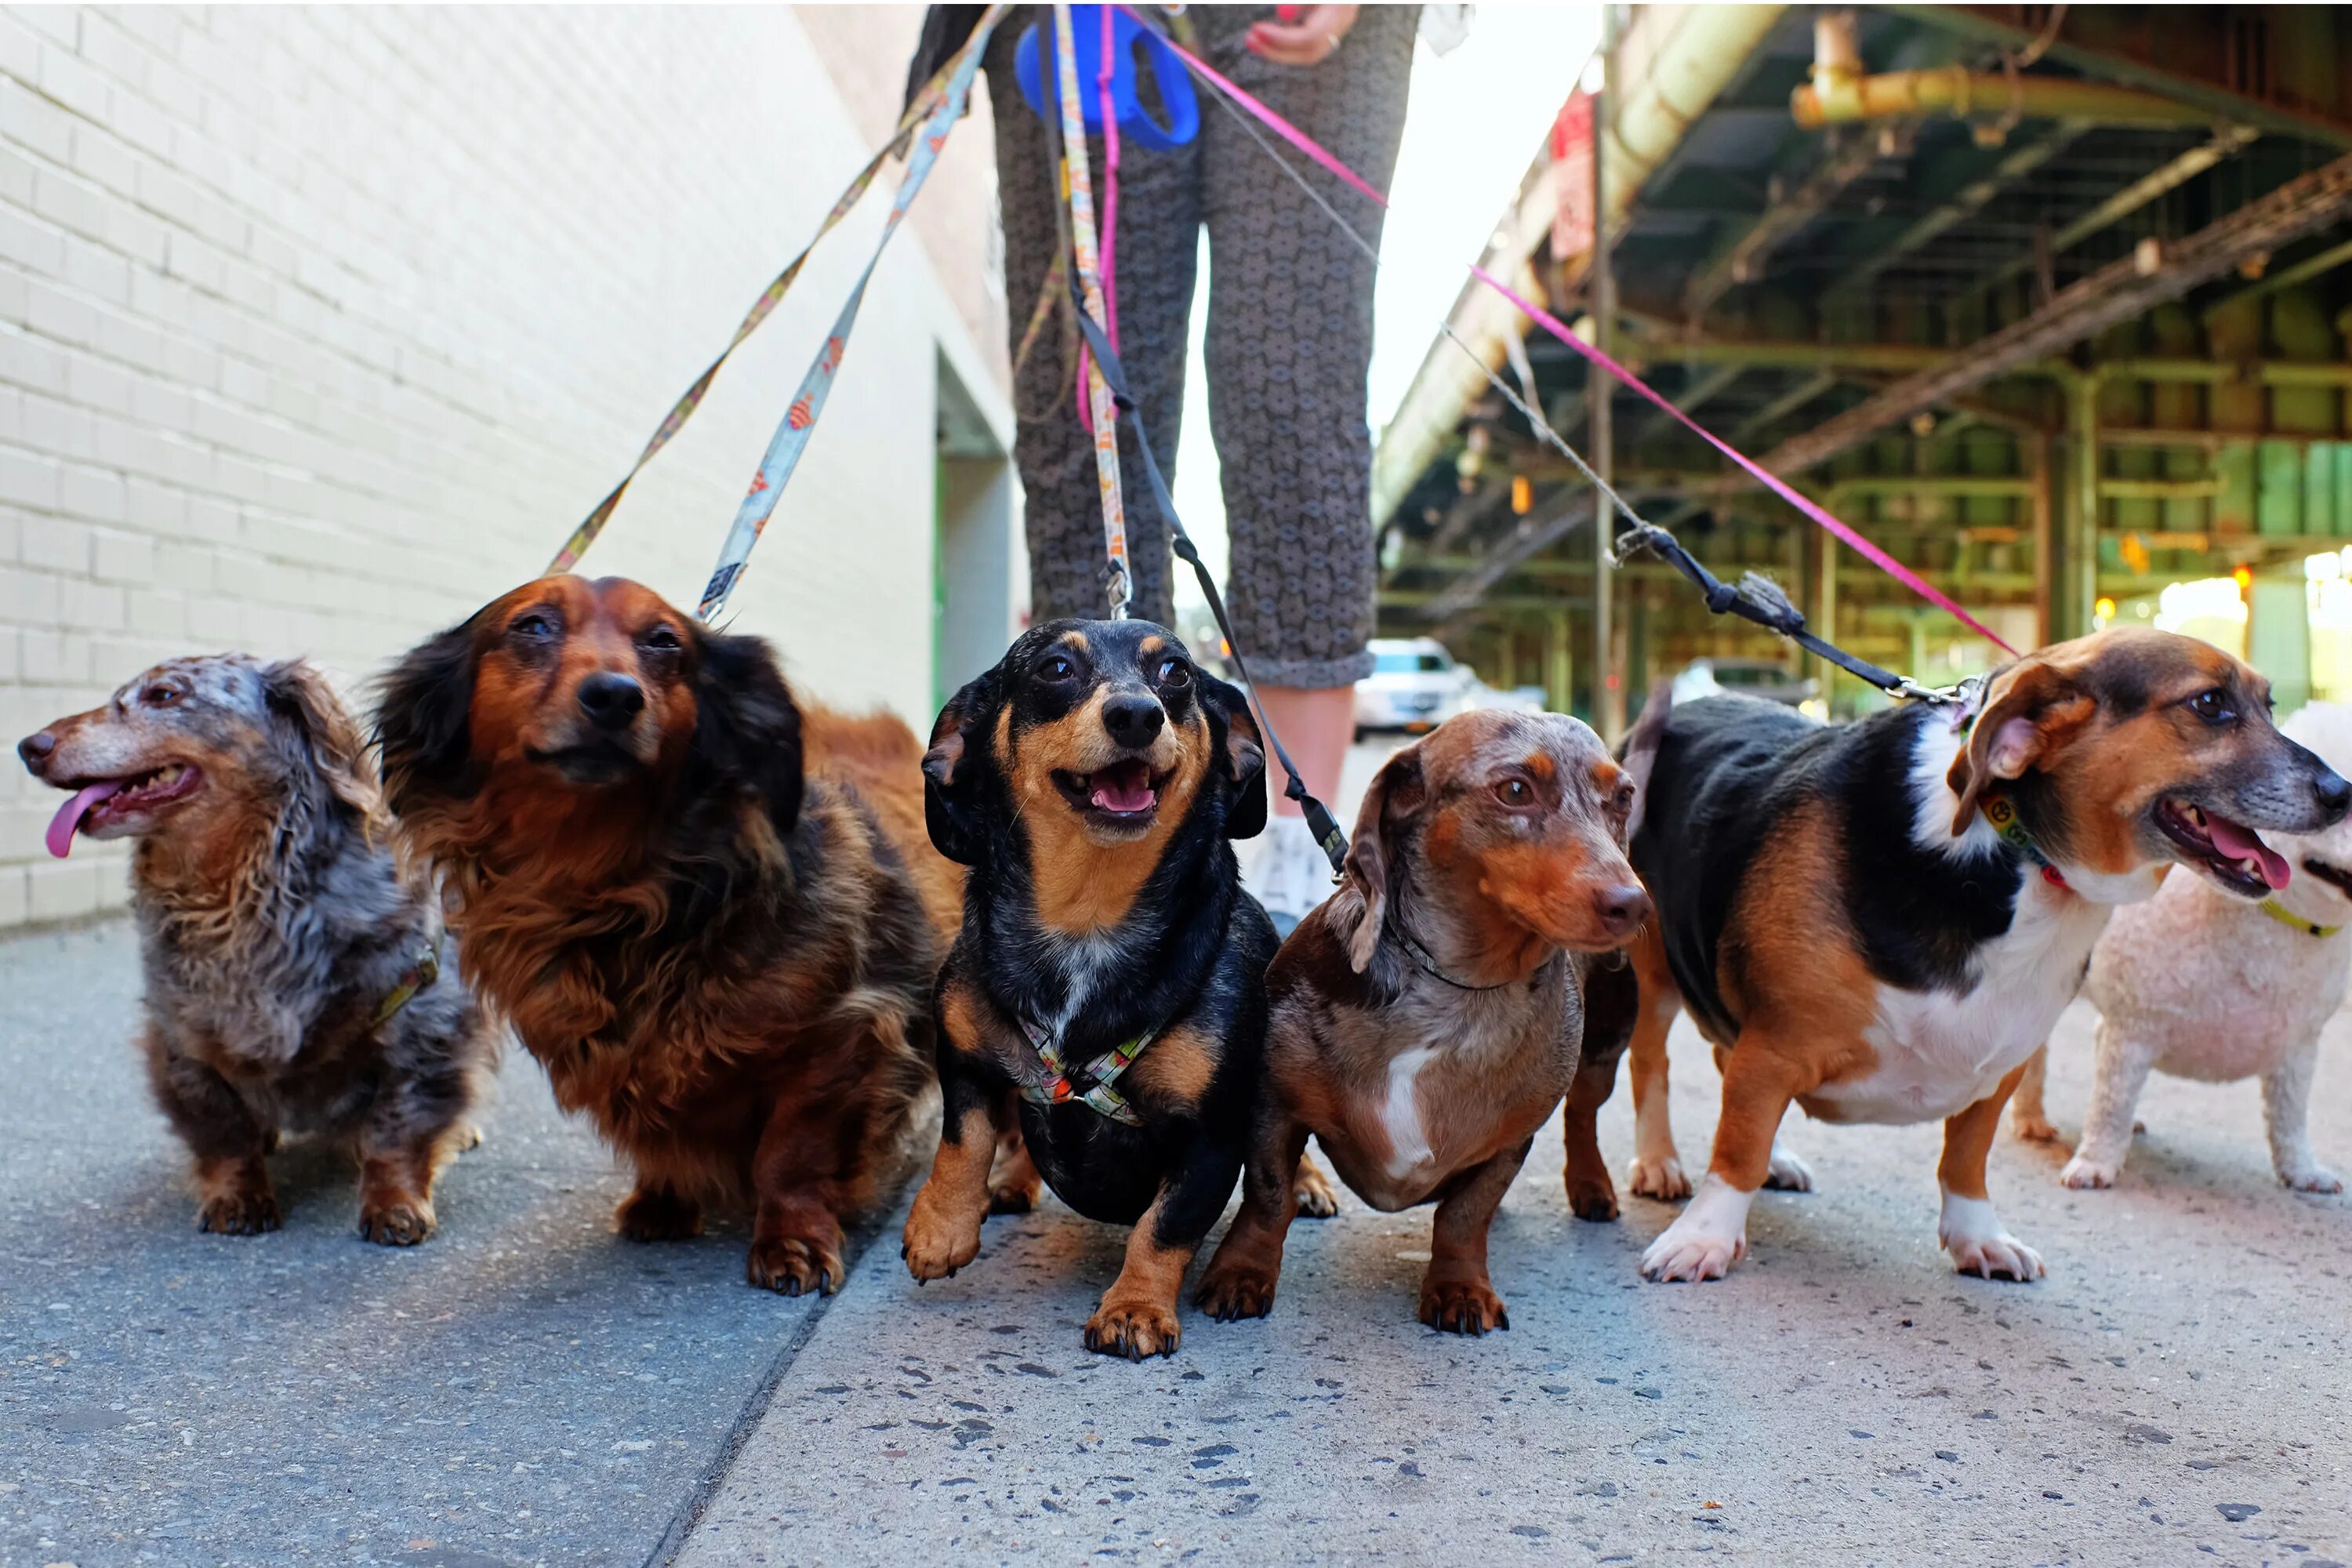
(1837, 96)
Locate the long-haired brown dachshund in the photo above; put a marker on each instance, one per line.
(711, 913)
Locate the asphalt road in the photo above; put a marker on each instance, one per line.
(525, 1388)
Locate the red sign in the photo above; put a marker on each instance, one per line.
(1571, 173)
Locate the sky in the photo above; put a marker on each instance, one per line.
(1475, 121)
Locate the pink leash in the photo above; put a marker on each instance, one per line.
(1544, 319)
(1862, 547)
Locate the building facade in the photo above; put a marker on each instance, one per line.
(319, 328)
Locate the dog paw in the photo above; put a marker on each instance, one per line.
(1981, 1245)
(1786, 1173)
(2002, 1256)
(1318, 1197)
(1462, 1306)
(2082, 1173)
(791, 1265)
(239, 1214)
(2312, 1179)
(1690, 1253)
(2032, 1128)
(936, 1244)
(1232, 1291)
(467, 1138)
(1657, 1178)
(1134, 1330)
(1014, 1196)
(1591, 1197)
(652, 1214)
(400, 1222)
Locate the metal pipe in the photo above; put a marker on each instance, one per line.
(1837, 98)
(1604, 394)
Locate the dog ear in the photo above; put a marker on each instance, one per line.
(1361, 905)
(950, 772)
(2032, 711)
(424, 719)
(1233, 730)
(298, 695)
(747, 728)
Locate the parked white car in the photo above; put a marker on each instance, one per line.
(1415, 685)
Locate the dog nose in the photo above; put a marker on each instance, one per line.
(1623, 910)
(1133, 720)
(611, 702)
(35, 748)
(2334, 792)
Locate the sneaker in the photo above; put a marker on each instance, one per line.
(1289, 875)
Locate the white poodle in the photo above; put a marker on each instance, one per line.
(2199, 983)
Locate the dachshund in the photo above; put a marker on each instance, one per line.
(708, 909)
(1107, 988)
(294, 977)
(1427, 1018)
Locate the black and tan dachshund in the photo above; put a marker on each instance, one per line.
(1109, 984)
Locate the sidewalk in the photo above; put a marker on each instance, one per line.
(525, 1388)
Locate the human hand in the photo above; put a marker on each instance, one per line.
(1301, 35)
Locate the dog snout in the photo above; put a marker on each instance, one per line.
(1623, 909)
(1133, 720)
(611, 700)
(2334, 792)
(38, 747)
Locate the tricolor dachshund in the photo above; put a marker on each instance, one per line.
(1426, 1019)
(710, 910)
(1879, 921)
(1108, 986)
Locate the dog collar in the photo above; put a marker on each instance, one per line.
(1429, 965)
(1055, 1086)
(1998, 811)
(2286, 917)
(415, 978)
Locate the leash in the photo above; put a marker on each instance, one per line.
(1077, 190)
(919, 109)
(791, 436)
(1101, 1075)
(1427, 963)
(1319, 820)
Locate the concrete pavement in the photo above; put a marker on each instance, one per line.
(525, 1388)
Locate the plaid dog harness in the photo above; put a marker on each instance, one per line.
(1059, 1085)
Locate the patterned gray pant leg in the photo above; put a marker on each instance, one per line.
(1155, 259)
(1290, 342)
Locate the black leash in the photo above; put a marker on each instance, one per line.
(1760, 600)
(1319, 820)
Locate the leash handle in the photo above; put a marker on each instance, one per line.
(1319, 820)
(1759, 600)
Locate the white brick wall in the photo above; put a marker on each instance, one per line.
(317, 328)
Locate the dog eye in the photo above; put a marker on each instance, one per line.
(531, 626)
(1514, 792)
(1621, 803)
(662, 639)
(1056, 668)
(160, 695)
(1174, 673)
(2213, 707)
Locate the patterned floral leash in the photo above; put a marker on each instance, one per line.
(919, 108)
(1077, 190)
(791, 437)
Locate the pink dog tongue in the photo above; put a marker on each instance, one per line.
(1123, 789)
(2239, 845)
(69, 815)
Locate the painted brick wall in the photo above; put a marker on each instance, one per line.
(317, 328)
